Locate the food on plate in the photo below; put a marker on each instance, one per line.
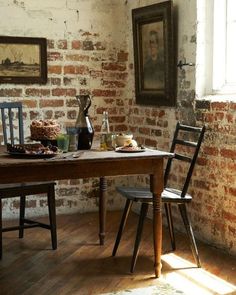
(130, 143)
(122, 138)
(130, 146)
(44, 129)
(32, 149)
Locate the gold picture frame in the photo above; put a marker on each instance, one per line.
(23, 60)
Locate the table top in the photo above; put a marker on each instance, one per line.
(79, 164)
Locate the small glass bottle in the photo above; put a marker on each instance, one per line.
(105, 131)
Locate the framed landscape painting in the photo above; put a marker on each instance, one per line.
(23, 60)
(154, 54)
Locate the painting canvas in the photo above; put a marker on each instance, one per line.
(23, 60)
(154, 56)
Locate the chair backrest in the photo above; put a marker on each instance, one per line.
(10, 130)
(193, 145)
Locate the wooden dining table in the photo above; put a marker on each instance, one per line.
(94, 163)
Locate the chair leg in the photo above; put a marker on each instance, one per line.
(52, 216)
(143, 214)
(22, 216)
(170, 225)
(128, 205)
(183, 212)
(0, 228)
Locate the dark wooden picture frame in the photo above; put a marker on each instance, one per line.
(154, 55)
(23, 60)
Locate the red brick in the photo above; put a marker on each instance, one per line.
(59, 114)
(114, 66)
(29, 103)
(109, 101)
(138, 120)
(145, 131)
(120, 102)
(68, 81)
(150, 142)
(202, 161)
(76, 44)
(232, 191)
(44, 103)
(53, 56)
(50, 44)
(59, 203)
(88, 45)
(101, 92)
(211, 151)
(113, 84)
(201, 184)
(229, 216)
(55, 81)
(121, 128)
(77, 57)
(227, 153)
(87, 34)
(72, 103)
(96, 74)
(62, 44)
(99, 46)
(71, 115)
(230, 118)
(64, 92)
(219, 116)
(161, 114)
(54, 70)
(117, 119)
(116, 75)
(48, 114)
(14, 92)
(122, 56)
(209, 117)
(219, 106)
(82, 70)
(150, 121)
(232, 106)
(156, 133)
(33, 115)
(37, 92)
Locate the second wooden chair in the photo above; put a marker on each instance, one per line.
(8, 109)
(170, 195)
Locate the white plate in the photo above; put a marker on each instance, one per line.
(127, 150)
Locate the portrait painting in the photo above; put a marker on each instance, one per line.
(23, 60)
(154, 56)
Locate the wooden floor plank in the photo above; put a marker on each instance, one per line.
(81, 266)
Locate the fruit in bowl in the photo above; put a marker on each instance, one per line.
(123, 139)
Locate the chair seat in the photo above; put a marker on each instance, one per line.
(14, 189)
(142, 194)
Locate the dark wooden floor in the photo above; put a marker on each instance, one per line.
(81, 266)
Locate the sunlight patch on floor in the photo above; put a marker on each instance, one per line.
(192, 280)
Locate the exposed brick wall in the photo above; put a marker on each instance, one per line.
(90, 52)
(84, 55)
(213, 185)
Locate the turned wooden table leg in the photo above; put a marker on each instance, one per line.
(156, 185)
(102, 209)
